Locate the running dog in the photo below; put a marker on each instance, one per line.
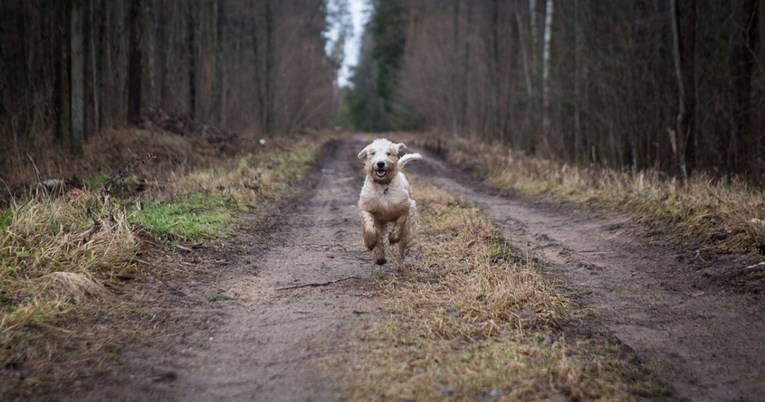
(386, 198)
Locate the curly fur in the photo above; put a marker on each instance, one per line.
(386, 197)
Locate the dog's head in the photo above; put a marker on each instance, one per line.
(381, 160)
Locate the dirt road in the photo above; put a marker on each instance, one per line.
(271, 341)
(707, 341)
(278, 332)
(278, 317)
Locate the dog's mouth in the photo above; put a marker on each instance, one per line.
(380, 173)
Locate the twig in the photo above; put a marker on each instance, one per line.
(315, 285)
(759, 264)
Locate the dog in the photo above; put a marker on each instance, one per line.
(386, 198)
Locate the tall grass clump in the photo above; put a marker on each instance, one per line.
(55, 253)
(476, 320)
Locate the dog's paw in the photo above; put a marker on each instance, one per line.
(381, 261)
(370, 242)
(370, 239)
(394, 237)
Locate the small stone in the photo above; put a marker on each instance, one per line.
(445, 389)
(495, 394)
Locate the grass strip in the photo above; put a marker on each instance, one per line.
(58, 254)
(725, 213)
(477, 321)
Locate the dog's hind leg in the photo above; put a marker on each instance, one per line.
(401, 250)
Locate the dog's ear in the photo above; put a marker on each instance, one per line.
(363, 153)
(400, 146)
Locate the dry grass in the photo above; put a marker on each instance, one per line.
(249, 178)
(55, 254)
(478, 321)
(62, 257)
(724, 213)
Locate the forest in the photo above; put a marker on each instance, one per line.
(673, 85)
(187, 212)
(69, 69)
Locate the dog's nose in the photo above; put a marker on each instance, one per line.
(381, 164)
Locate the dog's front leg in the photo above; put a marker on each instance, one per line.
(373, 232)
(369, 229)
(400, 228)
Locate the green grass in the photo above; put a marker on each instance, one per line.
(6, 217)
(215, 297)
(197, 215)
(503, 252)
(100, 180)
(58, 252)
(206, 201)
(292, 163)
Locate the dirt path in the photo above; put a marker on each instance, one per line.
(273, 340)
(285, 322)
(277, 333)
(708, 342)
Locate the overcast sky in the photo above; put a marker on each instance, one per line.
(359, 10)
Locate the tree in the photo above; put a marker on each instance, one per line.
(741, 64)
(191, 27)
(219, 17)
(375, 79)
(683, 43)
(135, 68)
(546, 84)
(76, 79)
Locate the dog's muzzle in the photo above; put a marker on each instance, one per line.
(380, 172)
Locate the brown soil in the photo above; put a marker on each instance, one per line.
(290, 289)
(299, 279)
(700, 325)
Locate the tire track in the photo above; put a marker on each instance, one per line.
(709, 343)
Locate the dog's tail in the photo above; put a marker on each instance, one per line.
(406, 158)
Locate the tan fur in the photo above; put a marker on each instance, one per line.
(386, 199)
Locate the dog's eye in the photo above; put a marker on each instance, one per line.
(387, 153)
(372, 153)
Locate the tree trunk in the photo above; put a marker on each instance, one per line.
(455, 93)
(220, 20)
(463, 100)
(494, 130)
(546, 84)
(683, 49)
(580, 78)
(93, 77)
(192, 50)
(533, 36)
(164, 44)
(102, 60)
(258, 76)
(741, 65)
(76, 78)
(135, 26)
(61, 68)
(269, 70)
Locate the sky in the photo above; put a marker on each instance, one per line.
(359, 14)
